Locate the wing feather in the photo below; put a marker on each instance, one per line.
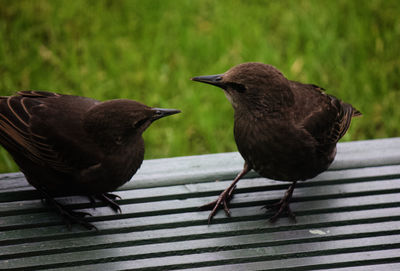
(29, 127)
(328, 118)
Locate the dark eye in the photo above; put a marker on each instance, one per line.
(238, 87)
(140, 123)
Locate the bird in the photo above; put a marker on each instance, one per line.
(69, 145)
(284, 130)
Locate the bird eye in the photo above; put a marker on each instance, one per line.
(140, 123)
(238, 87)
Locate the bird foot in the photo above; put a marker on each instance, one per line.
(282, 206)
(225, 196)
(223, 200)
(110, 200)
(71, 217)
(107, 198)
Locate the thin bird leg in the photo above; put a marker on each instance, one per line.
(92, 201)
(225, 196)
(70, 217)
(109, 199)
(282, 206)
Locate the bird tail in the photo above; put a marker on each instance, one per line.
(348, 112)
(356, 113)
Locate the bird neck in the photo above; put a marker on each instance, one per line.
(109, 128)
(260, 111)
(271, 102)
(114, 142)
(124, 161)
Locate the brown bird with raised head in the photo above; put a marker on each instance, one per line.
(284, 130)
(70, 145)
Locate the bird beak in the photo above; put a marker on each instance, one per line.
(162, 112)
(215, 80)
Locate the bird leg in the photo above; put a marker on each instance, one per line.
(282, 206)
(70, 217)
(225, 196)
(108, 199)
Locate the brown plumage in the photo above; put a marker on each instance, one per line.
(70, 145)
(284, 130)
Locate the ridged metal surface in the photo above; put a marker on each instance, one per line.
(348, 218)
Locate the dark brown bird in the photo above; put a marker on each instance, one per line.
(70, 145)
(284, 130)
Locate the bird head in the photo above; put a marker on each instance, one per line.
(252, 86)
(118, 121)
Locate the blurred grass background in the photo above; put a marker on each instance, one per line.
(148, 50)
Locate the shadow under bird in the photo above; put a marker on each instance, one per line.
(69, 145)
(284, 130)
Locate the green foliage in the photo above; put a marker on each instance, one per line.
(148, 50)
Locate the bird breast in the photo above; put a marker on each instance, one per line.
(279, 150)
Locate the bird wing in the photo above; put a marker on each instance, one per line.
(15, 133)
(31, 124)
(326, 118)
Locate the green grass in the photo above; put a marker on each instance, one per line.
(148, 50)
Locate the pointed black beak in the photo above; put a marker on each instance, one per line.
(215, 80)
(163, 112)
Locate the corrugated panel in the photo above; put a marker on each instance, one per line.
(348, 218)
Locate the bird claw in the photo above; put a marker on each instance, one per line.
(225, 197)
(109, 199)
(112, 196)
(70, 217)
(223, 200)
(281, 207)
(80, 214)
(226, 208)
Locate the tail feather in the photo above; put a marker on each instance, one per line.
(348, 112)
